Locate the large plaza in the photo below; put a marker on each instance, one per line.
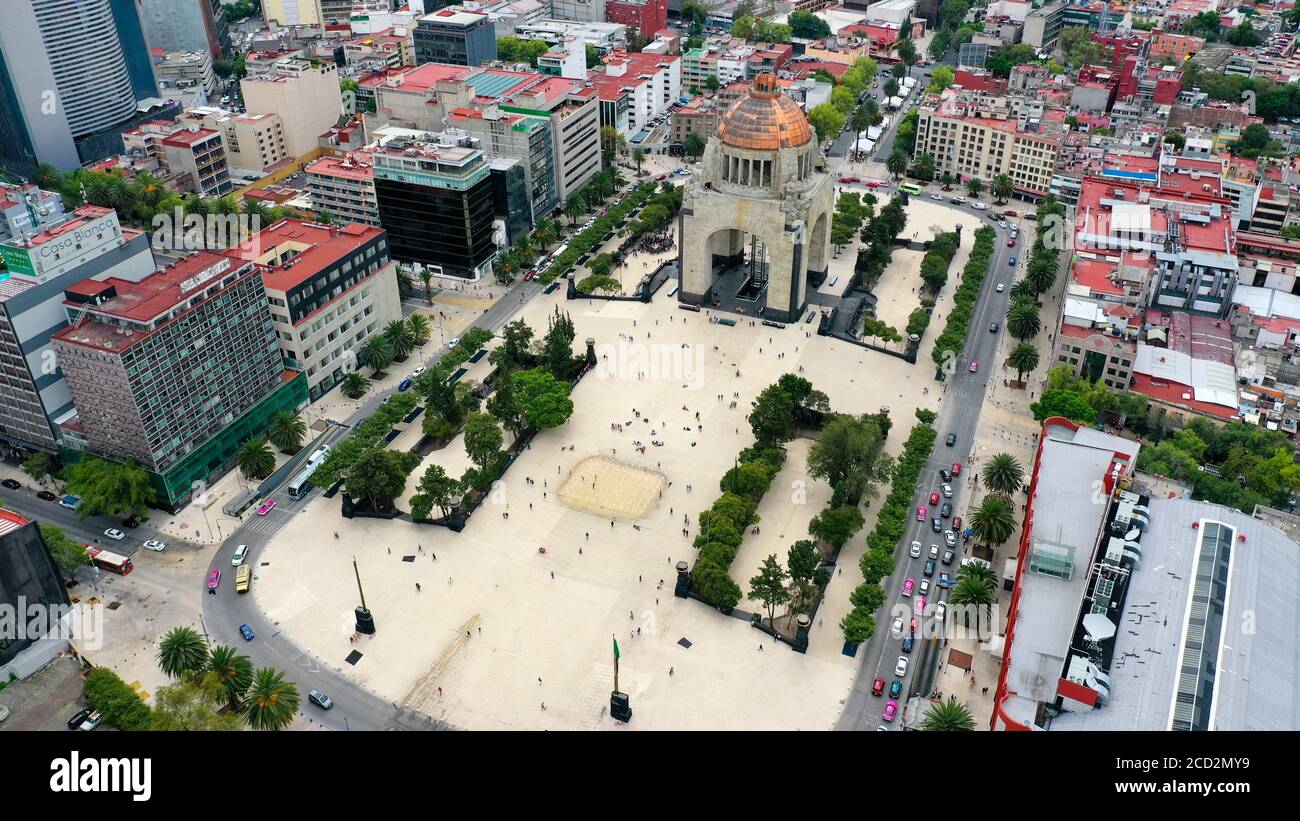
(519, 609)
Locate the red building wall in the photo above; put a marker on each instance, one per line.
(647, 16)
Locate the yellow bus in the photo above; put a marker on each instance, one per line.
(243, 578)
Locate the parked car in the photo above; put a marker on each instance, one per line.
(958, 200)
(900, 669)
(115, 534)
(891, 708)
(956, 524)
(878, 686)
(80, 717)
(246, 632)
(908, 584)
(12, 484)
(1011, 242)
(916, 550)
(661, 178)
(1010, 214)
(415, 373)
(404, 385)
(92, 721)
(46, 496)
(71, 502)
(155, 545)
(936, 198)
(1002, 223)
(951, 439)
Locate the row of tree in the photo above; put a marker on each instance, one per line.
(952, 341)
(878, 238)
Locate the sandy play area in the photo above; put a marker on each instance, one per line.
(606, 486)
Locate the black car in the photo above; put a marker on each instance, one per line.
(80, 718)
(46, 496)
(936, 524)
(951, 440)
(945, 475)
(929, 568)
(12, 484)
(994, 328)
(131, 523)
(946, 510)
(948, 556)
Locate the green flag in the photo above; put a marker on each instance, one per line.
(616, 649)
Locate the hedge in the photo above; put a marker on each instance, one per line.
(953, 337)
(120, 705)
(891, 526)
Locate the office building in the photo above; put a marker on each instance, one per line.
(186, 25)
(292, 12)
(583, 11)
(89, 242)
(25, 208)
(646, 16)
(305, 95)
(176, 370)
(188, 69)
(435, 200)
(330, 288)
(128, 18)
(453, 35)
(66, 89)
(29, 578)
(255, 143)
(344, 187)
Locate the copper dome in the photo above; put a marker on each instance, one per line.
(765, 119)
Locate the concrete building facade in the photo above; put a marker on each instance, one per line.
(306, 96)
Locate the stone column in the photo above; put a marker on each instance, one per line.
(801, 634)
(683, 586)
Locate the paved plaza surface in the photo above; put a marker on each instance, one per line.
(493, 614)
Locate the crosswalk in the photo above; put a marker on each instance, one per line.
(267, 525)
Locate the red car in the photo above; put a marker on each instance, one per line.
(661, 178)
(956, 468)
(529, 275)
(956, 524)
(1010, 214)
(1011, 243)
(878, 686)
(934, 498)
(850, 179)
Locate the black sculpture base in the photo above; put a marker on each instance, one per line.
(619, 706)
(365, 621)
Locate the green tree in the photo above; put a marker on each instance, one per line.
(255, 459)
(993, 521)
(181, 651)
(543, 399)
(972, 596)
(39, 466)
(271, 701)
(378, 477)
(974, 187)
(436, 489)
(1023, 321)
(400, 338)
(772, 419)
(694, 145)
(376, 353)
(513, 49)
(67, 554)
(557, 345)
(193, 704)
(808, 26)
(1023, 357)
(638, 159)
(1002, 188)
(826, 120)
(836, 525)
(941, 78)
(1003, 475)
(574, 207)
(948, 716)
(858, 625)
(1063, 403)
(896, 164)
(515, 350)
(947, 180)
(286, 431)
(768, 586)
(119, 704)
(1244, 36)
(421, 330)
(355, 385)
(483, 440)
(906, 51)
(109, 487)
(849, 454)
(233, 671)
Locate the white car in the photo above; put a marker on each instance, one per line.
(979, 206)
(936, 198)
(940, 610)
(916, 550)
(115, 534)
(896, 629)
(1002, 223)
(924, 587)
(417, 371)
(155, 545)
(934, 551)
(958, 200)
(947, 491)
(455, 340)
(240, 553)
(900, 669)
(1001, 287)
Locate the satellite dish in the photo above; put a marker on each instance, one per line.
(1098, 627)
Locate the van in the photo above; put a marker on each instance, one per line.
(240, 553)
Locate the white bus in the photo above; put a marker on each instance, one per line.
(301, 483)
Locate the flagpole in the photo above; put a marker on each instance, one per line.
(615, 661)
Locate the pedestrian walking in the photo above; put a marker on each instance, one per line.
(670, 672)
(417, 587)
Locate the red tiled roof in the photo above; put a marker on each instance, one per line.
(326, 245)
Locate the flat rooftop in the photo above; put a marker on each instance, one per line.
(302, 249)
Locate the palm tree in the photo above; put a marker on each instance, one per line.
(181, 651)
(948, 715)
(48, 177)
(891, 87)
(376, 353)
(993, 522)
(257, 211)
(638, 159)
(355, 385)
(426, 277)
(271, 701)
(896, 164)
(574, 207)
(255, 459)
(972, 596)
(399, 336)
(1023, 357)
(907, 53)
(420, 328)
(1023, 291)
(405, 285)
(974, 186)
(1023, 321)
(286, 431)
(925, 167)
(524, 249)
(859, 121)
(980, 572)
(1002, 188)
(1003, 475)
(233, 670)
(1041, 274)
(545, 233)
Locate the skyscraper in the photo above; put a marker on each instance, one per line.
(185, 25)
(66, 88)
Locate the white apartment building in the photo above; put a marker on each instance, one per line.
(304, 94)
